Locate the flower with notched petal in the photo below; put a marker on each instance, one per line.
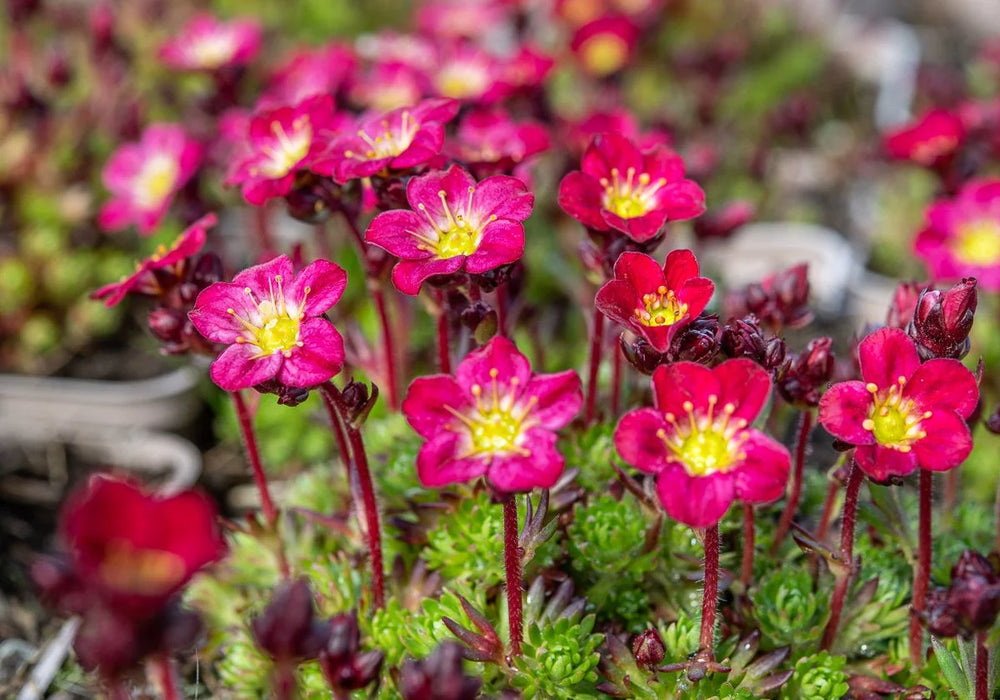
(605, 45)
(931, 141)
(205, 43)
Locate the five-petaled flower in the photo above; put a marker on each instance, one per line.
(494, 418)
(930, 141)
(400, 139)
(272, 321)
(622, 188)
(904, 414)
(455, 223)
(655, 302)
(962, 235)
(144, 176)
(205, 43)
(699, 443)
(167, 265)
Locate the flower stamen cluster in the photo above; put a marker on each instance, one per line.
(275, 325)
(631, 197)
(661, 308)
(460, 237)
(706, 444)
(892, 419)
(499, 425)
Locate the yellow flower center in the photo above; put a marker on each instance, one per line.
(632, 197)
(213, 50)
(660, 309)
(287, 150)
(893, 420)
(140, 571)
(462, 80)
(156, 180)
(926, 152)
(707, 444)
(498, 422)
(978, 242)
(387, 144)
(457, 234)
(604, 54)
(276, 326)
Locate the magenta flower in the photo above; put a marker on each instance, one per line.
(904, 414)
(148, 277)
(622, 188)
(460, 20)
(272, 321)
(699, 443)
(205, 43)
(282, 141)
(605, 45)
(308, 73)
(468, 73)
(655, 302)
(386, 86)
(491, 137)
(402, 138)
(455, 224)
(962, 235)
(930, 141)
(494, 418)
(143, 177)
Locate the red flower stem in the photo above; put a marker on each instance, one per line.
(616, 380)
(335, 406)
(792, 504)
(443, 344)
(596, 345)
(388, 345)
(710, 598)
(921, 577)
(512, 564)
(164, 667)
(253, 454)
(824, 520)
(501, 303)
(749, 539)
(846, 555)
(283, 682)
(982, 667)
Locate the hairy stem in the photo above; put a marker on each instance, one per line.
(596, 346)
(749, 542)
(854, 480)
(792, 504)
(921, 576)
(253, 454)
(512, 564)
(710, 597)
(982, 667)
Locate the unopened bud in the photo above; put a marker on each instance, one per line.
(904, 301)
(288, 629)
(648, 649)
(943, 320)
(698, 341)
(438, 677)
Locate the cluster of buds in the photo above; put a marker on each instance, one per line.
(971, 602)
(942, 320)
(803, 378)
(779, 301)
(745, 338)
(438, 677)
(699, 341)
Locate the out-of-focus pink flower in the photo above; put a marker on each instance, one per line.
(206, 43)
(468, 73)
(699, 443)
(144, 176)
(577, 13)
(579, 134)
(400, 139)
(413, 50)
(169, 263)
(622, 188)
(655, 302)
(272, 320)
(494, 418)
(455, 224)
(605, 45)
(962, 235)
(904, 301)
(930, 141)
(723, 222)
(386, 86)
(282, 141)
(460, 20)
(904, 414)
(491, 137)
(308, 73)
(527, 70)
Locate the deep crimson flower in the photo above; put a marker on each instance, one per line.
(699, 443)
(205, 43)
(402, 138)
(904, 414)
(144, 176)
(622, 188)
(282, 141)
(455, 224)
(605, 45)
(171, 263)
(308, 73)
(272, 321)
(491, 137)
(962, 235)
(931, 140)
(655, 302)
(494, 418)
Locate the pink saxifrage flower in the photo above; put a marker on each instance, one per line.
(402, 138)
(903, 414)
(605, 45)
(930, 141)
(699, 443)
(962, 235)
(146, 280)
(282, 141)
(308, 73)
(455, 224)
(206, 43)
(494, 418)
(143, 177)
(655, 302)
(272, 320)
(622, 188)
(492, 138)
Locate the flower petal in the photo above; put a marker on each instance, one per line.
(762, 476)
(843, 409)
(408, 275)
(947, 443)
(502, 243)
(580, 197)
(746, 385)
(239, 367)
(640, 271)
(696, 501)
(886, 355)
(504, 197)
(558, 398)
(499, 356)
(438, 464)
(261, 278)
(881, 462)
(680, 382)
(426, 401)
(945, 385)
(539, 469)
(395, 231)
(318, 359)
(637, 442)
(679, 267)
(618, 300)
(320, 284)
(211, 316)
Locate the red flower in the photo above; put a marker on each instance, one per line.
(655, 303)
(308, 73)
(962, 235)
(491, 137)
(622, 188)
(605, 45)
(931, 140)
(455, 224)
(698, 441)
(149, 274)
(494, 418)
(386, 86)
(904, 414)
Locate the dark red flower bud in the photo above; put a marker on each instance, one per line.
(648, 649)
(313, 198)
(744, 338)
(938, 616)
(970, 603)
(438, 677)
(720, 223)
(58, 71)
(167, 324)
(993, 422)
(288, 630)
(344, 666)
(102, 26)
(287, 395)
(778, 301)
(942, 320)
(698, 341)
(641, 355)
(904, 301)
(802, 381)
(207, 271)
(775, 352)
